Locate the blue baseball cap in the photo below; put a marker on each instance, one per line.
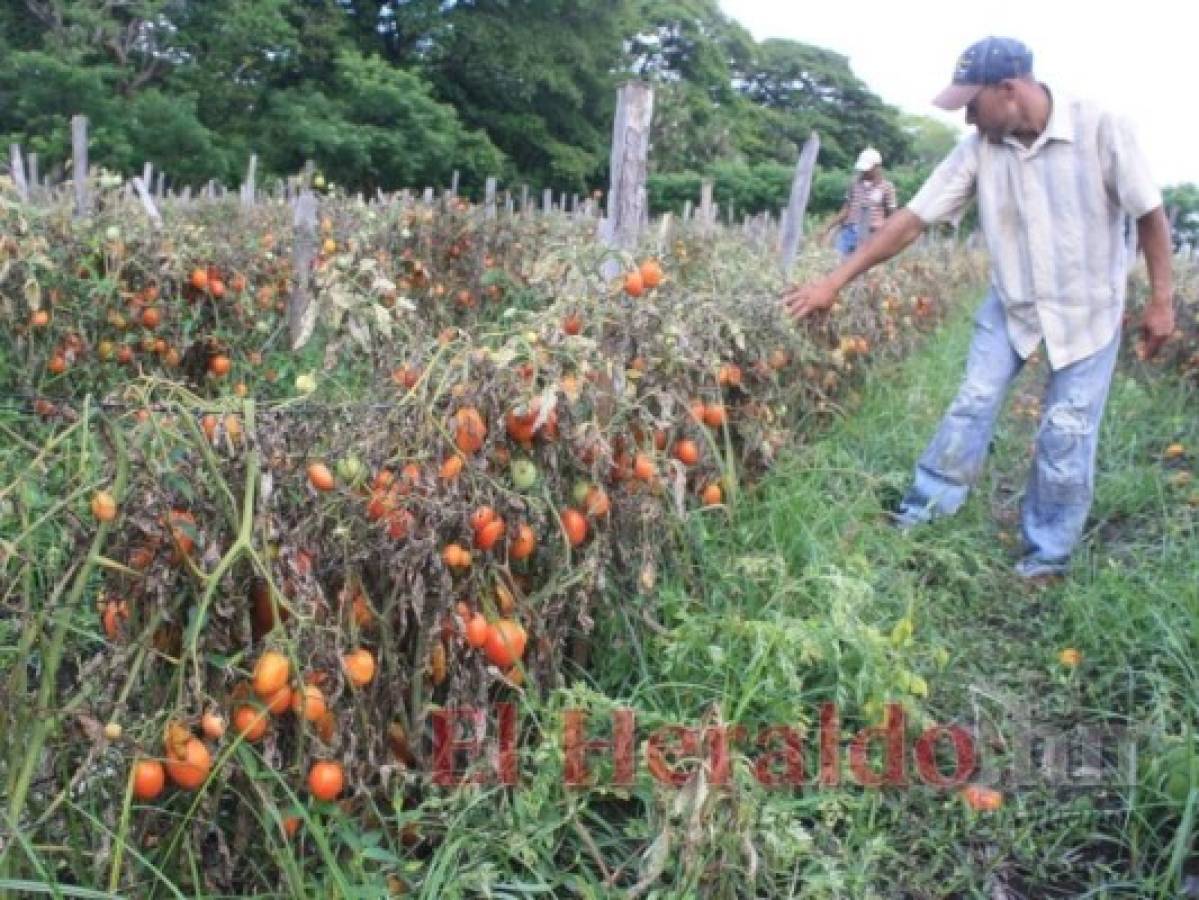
(989, 61)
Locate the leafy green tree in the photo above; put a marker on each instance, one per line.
(542, 84)
(377, 126)
(1185, 199)
(932, 140)
(804, 88)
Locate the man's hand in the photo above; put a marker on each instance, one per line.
(1157, 324)
(804, 299)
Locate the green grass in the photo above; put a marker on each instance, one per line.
(796, 603)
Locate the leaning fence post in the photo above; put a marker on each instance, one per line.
(801, 184)
(301, 312)
(18, 172)
(143, 194)
(629, 162)
(79, 164)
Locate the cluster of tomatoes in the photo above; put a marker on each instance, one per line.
(645, 277)
(187, 760)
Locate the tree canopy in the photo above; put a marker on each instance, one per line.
(399, 93)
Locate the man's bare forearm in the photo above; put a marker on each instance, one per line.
(1153, 231)
(897, 233)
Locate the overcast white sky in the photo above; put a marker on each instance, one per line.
(1137, 58)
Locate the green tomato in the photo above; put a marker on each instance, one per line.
(524, 474)
(580, 492)
(351, 470)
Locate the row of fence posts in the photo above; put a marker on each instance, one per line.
(620, 225)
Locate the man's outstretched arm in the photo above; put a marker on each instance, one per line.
(898, 232)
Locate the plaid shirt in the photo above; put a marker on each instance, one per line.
(1053, 216)
(870, 203)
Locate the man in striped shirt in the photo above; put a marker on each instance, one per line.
(1055, 179)
(868, 201)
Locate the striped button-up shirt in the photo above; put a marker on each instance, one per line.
(870, 203)
(1053, 216)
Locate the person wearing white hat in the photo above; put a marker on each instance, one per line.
(868, 201)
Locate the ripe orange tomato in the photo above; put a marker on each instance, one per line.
(489, 535)
(309, 703)
(651, 273)
(478, 630)
(714, 415)
(104, 506)
(190, 768)
(280, 701)
(505, 643)
(982, 799)
(634, 284)
(360, 666)
(481, 517)
(575, 525)
(326, 780)
(271, 673)
(320, 477)
(250, 722)
(524, 543)
(686, 451)
(149, 778)
(643, 467)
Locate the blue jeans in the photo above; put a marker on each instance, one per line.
(847, 239)
(1061, 484)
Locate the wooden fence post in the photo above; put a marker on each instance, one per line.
(248, 189)
(489, 198)
(79, 164)
(629, 163)
(801, 185)
(706, 214)
(18, 172)
(147, 202)
(301, 313)
(35, 184)
(524, 199)
(547, 201)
